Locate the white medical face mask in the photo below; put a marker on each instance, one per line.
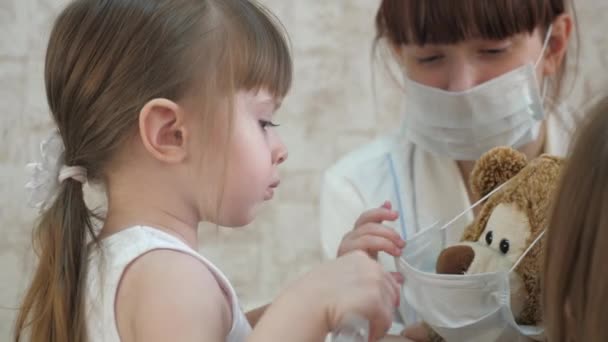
(505, 111)
(474, 307)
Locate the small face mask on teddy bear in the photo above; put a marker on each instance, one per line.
(486, 288)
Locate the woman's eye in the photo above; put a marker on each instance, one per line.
(494, 51)
(428, 59)
(265, 124)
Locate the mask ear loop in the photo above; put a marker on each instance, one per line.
(542, 54)
(474, 205)
(545, 82)
(527, 250)
(545, 44)
(543, 92)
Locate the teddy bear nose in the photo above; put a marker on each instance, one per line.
(455, 260)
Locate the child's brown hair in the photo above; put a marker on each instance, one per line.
(105, 60)
(576, 277)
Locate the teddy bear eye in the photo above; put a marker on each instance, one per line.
(489, 237)
(504, 246)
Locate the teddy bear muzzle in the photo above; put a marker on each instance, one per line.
(455, 260)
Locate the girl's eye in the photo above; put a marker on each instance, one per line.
(265, 124)
(429, 59)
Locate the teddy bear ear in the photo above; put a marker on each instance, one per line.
(494, 168)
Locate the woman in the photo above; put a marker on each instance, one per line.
(477, 74)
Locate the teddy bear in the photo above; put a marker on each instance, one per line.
(509, 221)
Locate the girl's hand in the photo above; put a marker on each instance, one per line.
(371, 236)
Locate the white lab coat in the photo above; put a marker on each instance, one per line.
(423, 187)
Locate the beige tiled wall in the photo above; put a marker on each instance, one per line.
(329, 112)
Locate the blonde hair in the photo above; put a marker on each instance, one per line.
(105, 60)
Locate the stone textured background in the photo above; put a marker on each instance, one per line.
(329, 112)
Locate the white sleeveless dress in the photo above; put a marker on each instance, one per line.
(106, 270)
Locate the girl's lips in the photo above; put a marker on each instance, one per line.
(270, 191)
(269, 194)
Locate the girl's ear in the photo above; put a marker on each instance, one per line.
(162, 130)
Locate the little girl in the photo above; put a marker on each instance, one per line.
(169, 104)
(576, 282)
